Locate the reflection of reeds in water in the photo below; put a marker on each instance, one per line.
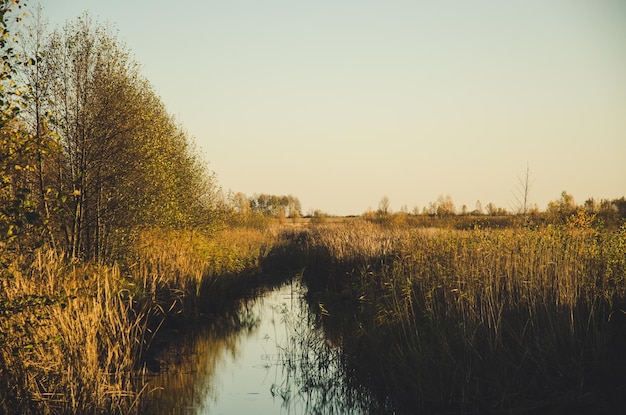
(183, 384)
(310, 371)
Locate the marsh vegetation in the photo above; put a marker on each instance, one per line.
(77, 337)
(114, 236)
(482, 320)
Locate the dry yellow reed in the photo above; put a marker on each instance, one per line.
(71, 335)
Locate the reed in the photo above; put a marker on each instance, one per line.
(69, 337)
(191, 361)
(482, 319)
(74, 336)
(184, 271)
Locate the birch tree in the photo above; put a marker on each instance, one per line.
(125, 163)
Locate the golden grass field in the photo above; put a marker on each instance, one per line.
(72, 334)
(492, 319)
(500, 319)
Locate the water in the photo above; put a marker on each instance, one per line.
(269, 357)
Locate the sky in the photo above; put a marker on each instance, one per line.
(340, 103)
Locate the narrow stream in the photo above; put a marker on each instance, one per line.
(270, 357)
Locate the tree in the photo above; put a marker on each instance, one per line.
(122, 162)
(431, 210)
(36, 116)
(591, 206)
(521, 193)
(559, 210)
(8, 60)
(294, 208)
(275, 206)
(383, 206)
(318, 217)
(445, 206)
(18, 149)
(241, 204)
(88, 152)
(620, 204)
(96, 95)
(478, 210)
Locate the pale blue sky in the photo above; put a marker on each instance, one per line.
(342, 102)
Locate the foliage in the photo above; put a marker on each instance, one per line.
(18, 212)
(319, 217)
(445, 206)
(90, 159)
(94, 154)
(441, 214)
(559, 210)
(17, 148)
(94, 172)
(274, 205)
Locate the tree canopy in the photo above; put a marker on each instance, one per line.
(90, 153)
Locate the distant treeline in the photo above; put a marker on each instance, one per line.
(266, 204)
(606, 212)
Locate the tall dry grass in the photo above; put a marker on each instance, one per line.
(73, 335)
(180, 270)
(482, 319)
(68, 339)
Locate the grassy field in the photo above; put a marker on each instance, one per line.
(497, 319)
(483, 320)
(73, 337)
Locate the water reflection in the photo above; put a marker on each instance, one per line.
(187, 367)
(269, 357)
